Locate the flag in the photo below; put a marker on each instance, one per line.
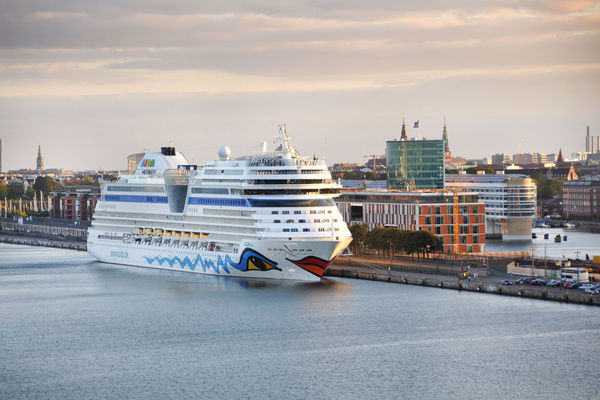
(416, 123)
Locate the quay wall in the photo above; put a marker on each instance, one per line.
(8, 227)
(532, 292)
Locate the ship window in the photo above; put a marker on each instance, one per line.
(289, 221)
(285, 212)
(274, 212)
(297, 212)
(301, 221)
(305, 230)
(286, 230)
(294, 230)
(292, 203)
(210, 190)
(277, 221)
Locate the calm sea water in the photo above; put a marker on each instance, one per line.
(578, 244)
(73, 328)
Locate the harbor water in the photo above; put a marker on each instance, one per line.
(74, 328)
(577, 245)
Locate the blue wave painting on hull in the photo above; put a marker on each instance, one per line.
(250, 260)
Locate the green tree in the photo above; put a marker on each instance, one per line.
(377, 240)
(14, 190)
(359, 236)
(46, 185)
(3, 190)
(488, 170)
(547, 188)
(422, 242)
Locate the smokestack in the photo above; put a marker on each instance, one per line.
(587, 141)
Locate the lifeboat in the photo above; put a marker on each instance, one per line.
(176, 234)
(185, 235)
(195, 235)
(148, 231)
(158, 232)
(167, 233)
(138, 230)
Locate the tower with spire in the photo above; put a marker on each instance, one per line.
(404, 136)
(40, 159)
(447, 153)
(560, 159)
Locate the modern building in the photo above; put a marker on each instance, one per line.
(500, 158)
(415, 164)
(581, 199)
(75, 203)
(457, 219)
(510, 202)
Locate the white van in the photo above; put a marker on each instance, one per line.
(574, 275)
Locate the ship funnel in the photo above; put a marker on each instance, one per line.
(263, 147)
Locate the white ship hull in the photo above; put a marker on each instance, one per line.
(263, 259)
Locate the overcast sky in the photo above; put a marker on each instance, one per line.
(94, 81)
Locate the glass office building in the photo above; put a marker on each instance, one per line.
(415, 164)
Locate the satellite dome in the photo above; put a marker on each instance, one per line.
(224, 153)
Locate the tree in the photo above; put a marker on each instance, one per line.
(547, 188)
(422, 242)
(359, 236)
(46, 185)
(376, 239)
(3, 190)
(14, 190)
(488, 170)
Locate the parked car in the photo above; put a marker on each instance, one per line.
(538, 282)
(529, 281)
(587, 285)
(506, 282)
(593, 290)
(576, 285)
(521, 281)
(554, 283)
(567, 285)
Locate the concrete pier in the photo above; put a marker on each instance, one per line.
(454, 283)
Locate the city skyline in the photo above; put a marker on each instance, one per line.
(92, 83)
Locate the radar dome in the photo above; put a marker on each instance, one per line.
(224, 153)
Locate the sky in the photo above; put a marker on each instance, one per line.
(94, 81)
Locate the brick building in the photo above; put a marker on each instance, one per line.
(75, 203)
(457, 219)
(581, 199)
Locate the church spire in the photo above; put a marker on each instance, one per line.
(403, 136)
(445, 137)
(447, 153)
(560, 158)
(40, 159)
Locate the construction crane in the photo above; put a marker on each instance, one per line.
(375, 156)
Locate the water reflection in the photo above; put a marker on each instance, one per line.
(113, 276)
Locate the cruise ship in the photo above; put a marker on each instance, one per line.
(266, 215)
